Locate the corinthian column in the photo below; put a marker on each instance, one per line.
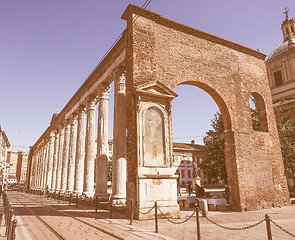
(50, 159)
(65, 157)
(44, 165)
(102, 145)
(90, 147)
(55, 158)
(59, 160)
(119, 141)
(80, 151)
(72, 154)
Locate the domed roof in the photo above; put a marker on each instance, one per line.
(282, 48)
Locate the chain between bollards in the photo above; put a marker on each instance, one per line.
(268, 227)
(156, 217)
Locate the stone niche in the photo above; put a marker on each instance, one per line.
(156, 179)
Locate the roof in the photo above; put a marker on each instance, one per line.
(188, 146)
(282, 48)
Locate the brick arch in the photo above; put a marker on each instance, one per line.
(214, 93)
(229, 143)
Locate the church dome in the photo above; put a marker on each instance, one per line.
(282, 48)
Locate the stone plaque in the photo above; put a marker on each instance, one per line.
(153, 138)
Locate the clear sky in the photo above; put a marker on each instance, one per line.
(48, 49)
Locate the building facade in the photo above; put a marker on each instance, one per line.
(280, 67)
(4, 145)
(281, 64)
(17, 162)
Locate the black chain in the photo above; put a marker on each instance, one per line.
(143, 212)
(284, 230)
(177, 222)
(238, 228)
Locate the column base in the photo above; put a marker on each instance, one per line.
(89, 194)
(62, 191)
(155, 188)
(103, 197)
(79, 193)
(119, 200)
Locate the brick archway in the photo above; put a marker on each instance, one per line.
(170, 53)
(228, 133)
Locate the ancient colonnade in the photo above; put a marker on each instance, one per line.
(65, 160)
(156, 55)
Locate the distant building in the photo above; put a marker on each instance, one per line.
(18, 162)
(184, 155)
(4, 145)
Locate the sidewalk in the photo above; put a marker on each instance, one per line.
(285, 217)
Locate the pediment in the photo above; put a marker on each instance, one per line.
(156, 88)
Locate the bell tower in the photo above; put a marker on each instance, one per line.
(288, 26)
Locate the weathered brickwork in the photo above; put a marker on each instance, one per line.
(174, 54)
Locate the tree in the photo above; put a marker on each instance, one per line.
(214, 164)
(286, 129)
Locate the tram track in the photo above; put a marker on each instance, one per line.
(102, 233)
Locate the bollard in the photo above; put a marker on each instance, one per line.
(96, 204)
(131, 211)
(198, 222)
(268, 228)
(9, 224)
(85, 198)
(203, 207)
(156, 217)
(13, 230)
(70, 200)
(111, 208)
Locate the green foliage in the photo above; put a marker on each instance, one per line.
(286, 128)
(214, 164)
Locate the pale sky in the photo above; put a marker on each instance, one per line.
(48, 49)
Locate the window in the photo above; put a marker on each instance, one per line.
(189, 173)
(182, 173)
(258, 113)
(287, 30)
(292, 29)
(278, 78)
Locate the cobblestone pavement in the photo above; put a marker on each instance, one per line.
(120, 226)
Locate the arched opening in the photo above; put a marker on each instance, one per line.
(201, 125)
(258, 113)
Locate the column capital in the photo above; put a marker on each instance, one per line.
(104, 92)
(81, 111)
(118, 72)
(74, 118)
(52, 134)
(92, 102)
(120, 84)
